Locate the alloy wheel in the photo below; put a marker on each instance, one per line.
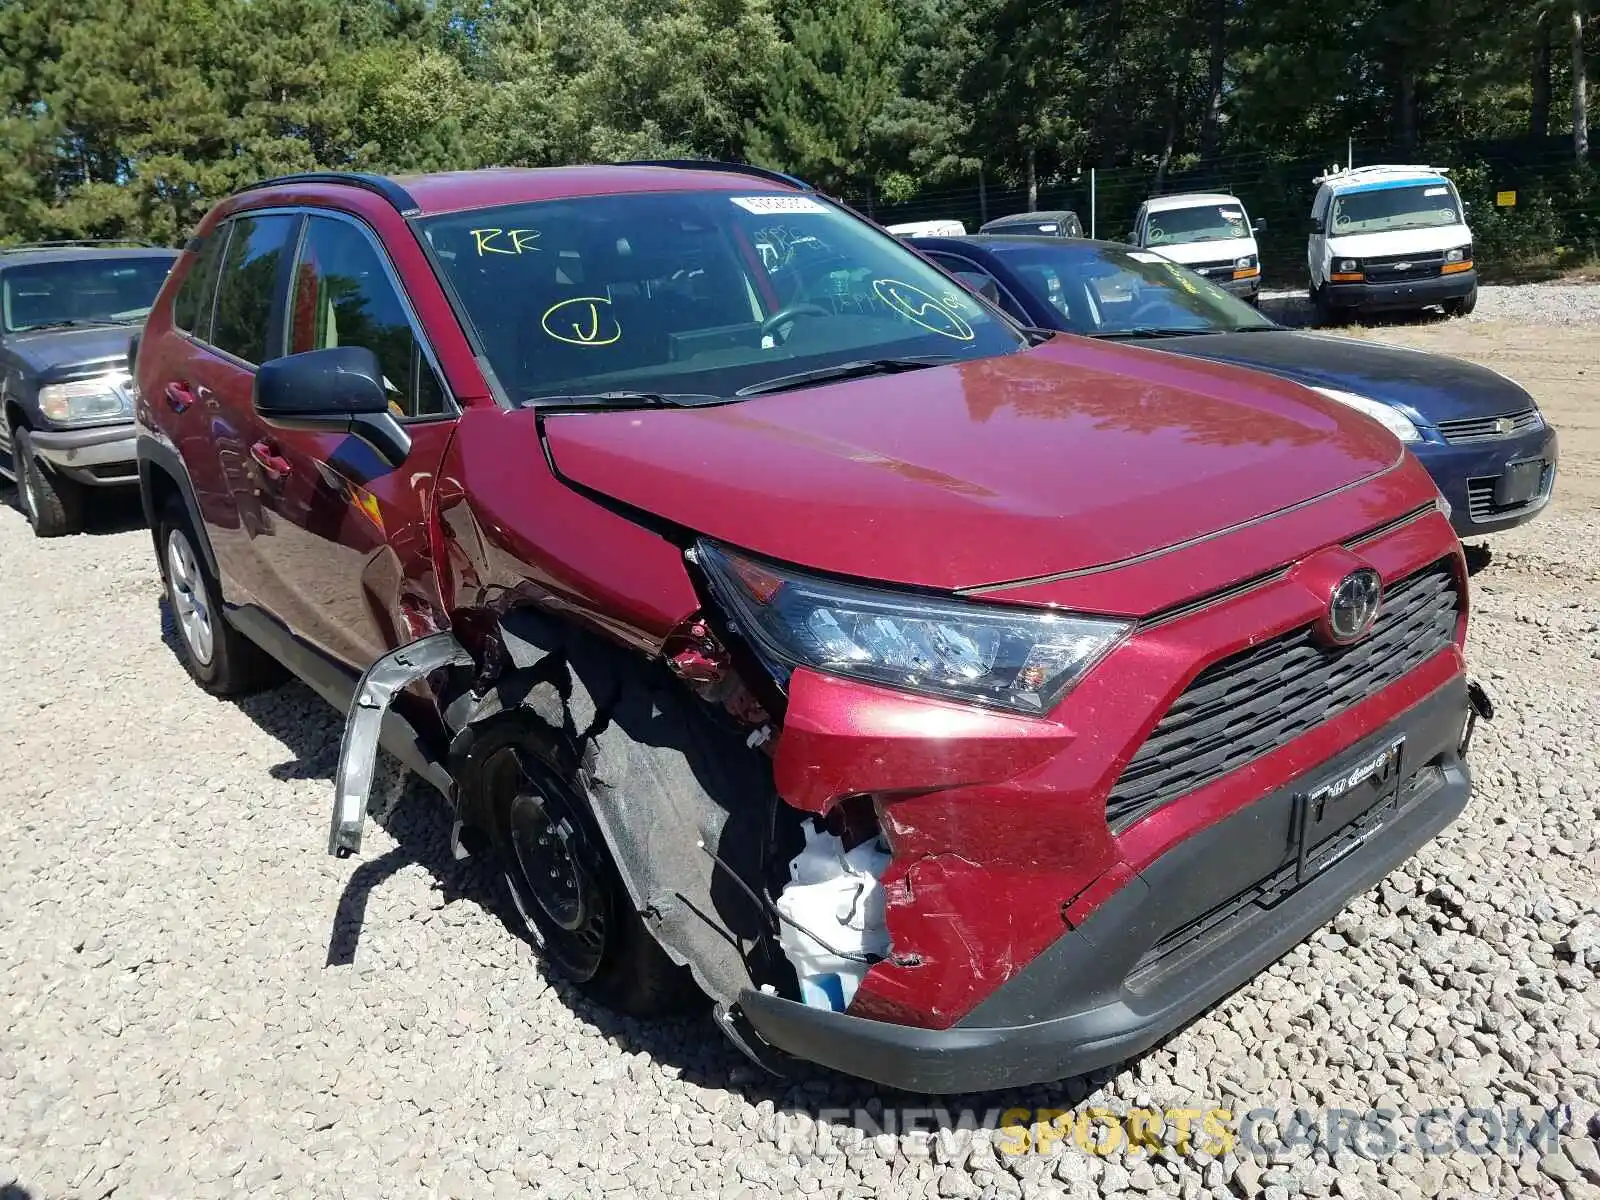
(190, 603)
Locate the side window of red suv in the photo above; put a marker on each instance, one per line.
(344, 295)
(243, 324)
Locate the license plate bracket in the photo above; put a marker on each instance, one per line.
(1322, 811)
(1520, 483)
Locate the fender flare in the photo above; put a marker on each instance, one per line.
(153, 454)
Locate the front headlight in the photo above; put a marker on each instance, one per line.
(1016, 658)
(1245, 262)
(105, 397)
(1459, 254)
(1386, 415)
(1349, 266)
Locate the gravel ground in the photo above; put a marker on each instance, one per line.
(1536, 303)
(199, 1002)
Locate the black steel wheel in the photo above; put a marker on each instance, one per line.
(564, 892)
(552, 870)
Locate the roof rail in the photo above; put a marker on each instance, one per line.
(1345, 172)
(381, 185)
(67, 243)
(713, 164)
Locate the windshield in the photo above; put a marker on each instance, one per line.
(1104, 291)
(88, 291)
(696, 295)
(1405, 206)
(1202, 223)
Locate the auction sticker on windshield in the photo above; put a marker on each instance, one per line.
(778, 204)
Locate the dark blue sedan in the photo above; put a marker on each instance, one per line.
(1479, 434)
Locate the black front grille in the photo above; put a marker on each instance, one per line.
(1223, 267)
(1485, 429)
(1246, 706)
(1398, 268)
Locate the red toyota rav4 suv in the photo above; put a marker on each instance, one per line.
(956, 705)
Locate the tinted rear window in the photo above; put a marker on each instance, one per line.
(248, 286)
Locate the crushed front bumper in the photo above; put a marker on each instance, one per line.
(1174, 939)
(104, 456)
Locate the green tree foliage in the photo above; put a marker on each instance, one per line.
(130, 117)
(836, 74)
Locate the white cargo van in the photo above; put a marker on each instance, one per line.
(929, 229)
(1389, 237)
(1208, 232)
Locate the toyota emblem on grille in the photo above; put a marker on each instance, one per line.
(1354, 606)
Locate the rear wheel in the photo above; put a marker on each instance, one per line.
(54, 505)
(218, 657)
(565, 894)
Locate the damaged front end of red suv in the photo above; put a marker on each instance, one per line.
(973, 826)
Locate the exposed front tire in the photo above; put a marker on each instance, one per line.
(217, 656)
(563, 891)
(54, 505)
(1461, 305)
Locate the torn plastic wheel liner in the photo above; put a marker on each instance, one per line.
(358, 751)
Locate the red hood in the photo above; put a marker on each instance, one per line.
(1072, 455)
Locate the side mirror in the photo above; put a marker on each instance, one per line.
(1258, 226)
(1316, 226)
(990, 291)
(339, 390)
(133, 353)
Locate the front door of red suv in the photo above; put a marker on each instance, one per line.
(347, 555)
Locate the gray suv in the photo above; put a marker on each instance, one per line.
(68, 311)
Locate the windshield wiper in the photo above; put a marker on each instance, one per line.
(1152, 331)
(624, 399)
(74, 323)
(848, 370)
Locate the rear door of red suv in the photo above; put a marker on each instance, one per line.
(341, 550)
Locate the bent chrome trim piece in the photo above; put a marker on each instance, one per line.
(358, 750)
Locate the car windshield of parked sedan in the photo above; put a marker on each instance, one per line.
(1106, 291)
(1201, 223)
(693, 297)
(97, 291)
(1415, 206)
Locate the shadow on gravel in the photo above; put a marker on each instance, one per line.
(15, 1191)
